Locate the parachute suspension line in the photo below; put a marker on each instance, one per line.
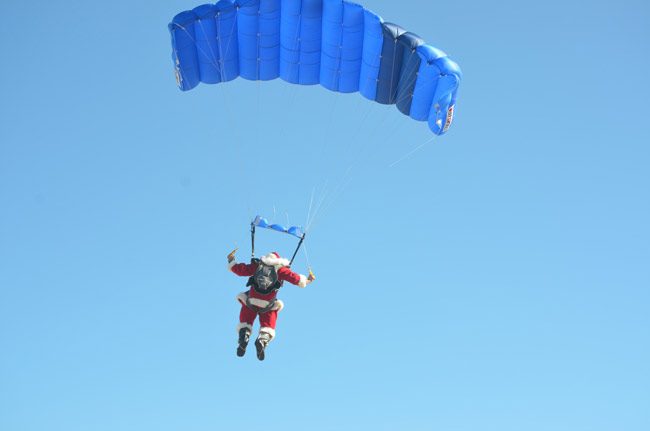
(324, 191)
(238, 136)
(298, 28)
(213, 55)
(323, 195)
(337, 95)
(232, 33)
(219, 66)
(304, 249)
(386, 122)
(221, 61)
(193, 39)
(328, 126)
(337, 78)
(257, 77)
(311, 203)
(387, 110)
(411, 82)
(343, 185)
(215, 63)
(257, 48)
(410, 153)
(239, 141)
(376, 131)
(259, 112)
(392, 126)
(395, 124)
(357, 155)
(312, 215)
(330, 199)
(365, 143)
(373, 135)
(392, 71)
(323, 146)
(349, 174)
(407, 95)
(292, 89)
(360, 128)
(312, 209)
(223, 55)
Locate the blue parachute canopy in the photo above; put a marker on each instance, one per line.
(296, 231)
(335, 43)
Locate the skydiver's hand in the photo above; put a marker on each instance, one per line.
(231, 256)
(311, 277)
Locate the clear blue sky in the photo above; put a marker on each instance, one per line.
(498, 279)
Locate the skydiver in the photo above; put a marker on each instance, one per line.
(266, 276)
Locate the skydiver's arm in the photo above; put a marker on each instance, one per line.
(241, 269)
(285, 274)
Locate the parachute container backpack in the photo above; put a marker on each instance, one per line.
(265, 280)
(337, 44)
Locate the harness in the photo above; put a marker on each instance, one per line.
(265, 280)
(261, 310)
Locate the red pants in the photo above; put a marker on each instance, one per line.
(247, 315)
(267, 320)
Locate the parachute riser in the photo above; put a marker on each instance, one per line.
(302, 239)
(252, 241)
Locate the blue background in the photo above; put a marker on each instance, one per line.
(496, 279)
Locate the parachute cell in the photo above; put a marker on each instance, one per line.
(335, 43)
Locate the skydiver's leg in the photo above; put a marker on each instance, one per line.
(245, 327)
(268, 321)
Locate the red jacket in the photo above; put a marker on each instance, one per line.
(282, 268)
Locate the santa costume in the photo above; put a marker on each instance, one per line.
(262, 302)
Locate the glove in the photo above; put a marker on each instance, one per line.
(231, 256)
(311, 276)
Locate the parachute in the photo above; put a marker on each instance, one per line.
(337, 44)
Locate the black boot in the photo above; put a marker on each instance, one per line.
(262, 341)
(244, 336)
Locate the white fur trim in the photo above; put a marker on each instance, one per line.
(268, 330)
(242, 298)
(243, 325)
(231, 264)
(303, 281)
(258, 302)
(261, 303)
(273, 260)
